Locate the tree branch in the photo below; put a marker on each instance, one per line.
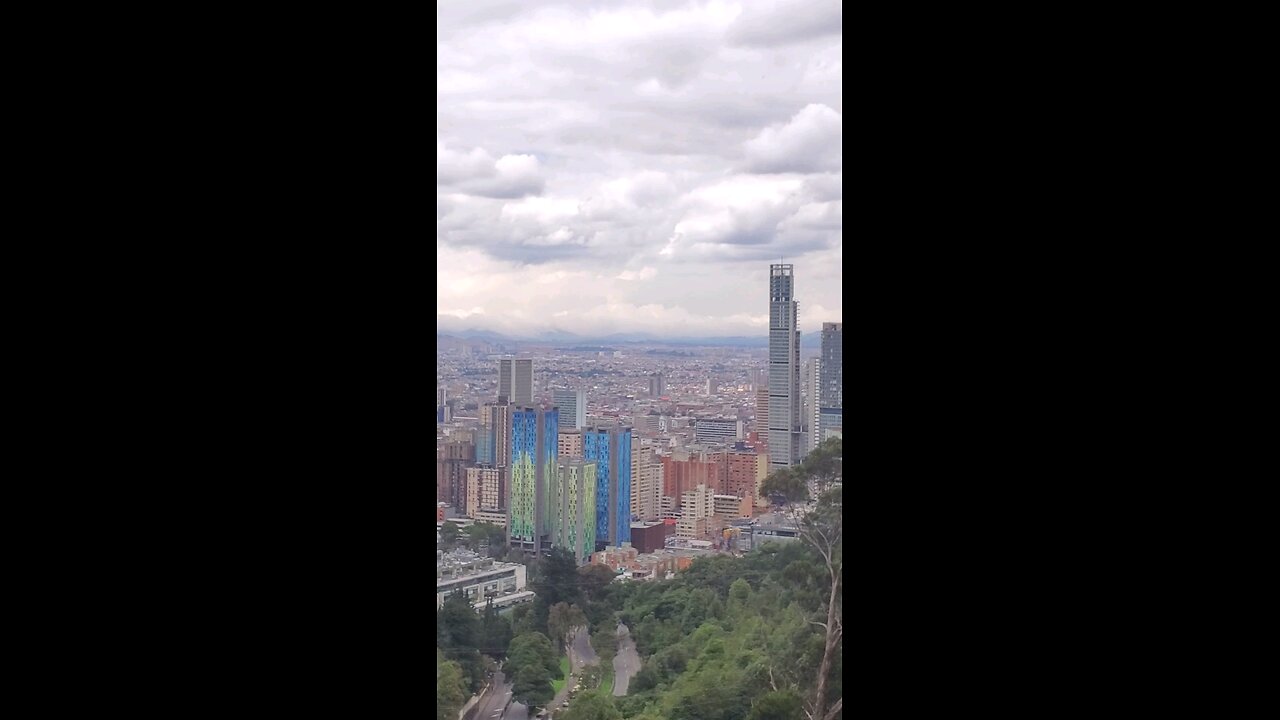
(835, 709)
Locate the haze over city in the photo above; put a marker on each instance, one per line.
(635, 167)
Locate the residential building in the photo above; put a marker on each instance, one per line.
(762, 415)
(812, 404)
(657, 385)
(569, 443)
(610, 448)
(574, 527)
(534, 435)
(484, 489)
(452, 460)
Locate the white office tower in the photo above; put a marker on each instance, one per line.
(784, 370)
(573, 408)
(515, 381)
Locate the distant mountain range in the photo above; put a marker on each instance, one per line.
(560, 337)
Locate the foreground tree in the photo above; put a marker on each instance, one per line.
(450, 690)
(591, 705)
(819, 526)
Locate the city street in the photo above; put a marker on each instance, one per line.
(495, 699)
(626, 662)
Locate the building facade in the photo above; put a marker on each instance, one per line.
(570, 443)
(534, 452)
(515, 380)
(575, 510)
(610, 448)
(572, 405)
(784, 369)
(721, 431)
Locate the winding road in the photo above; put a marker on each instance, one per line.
(626, 663)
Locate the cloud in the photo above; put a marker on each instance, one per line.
(810, 142)
(476, 173)
(624, 165)
(770, 24)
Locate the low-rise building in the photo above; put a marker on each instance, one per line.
(475, 577)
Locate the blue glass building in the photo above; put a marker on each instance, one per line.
(610, 448)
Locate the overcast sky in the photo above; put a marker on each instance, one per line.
(634, 166)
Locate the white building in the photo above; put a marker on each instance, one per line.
(476, 577)
(573, 407)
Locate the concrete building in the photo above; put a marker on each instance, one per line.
(569, 443)
(649, 537)
(572, 405)
(732, 507)
(657, 385)
(741, 473)
(495, 429)
(697, 506)
(515, 380)
(784, 369)
(574, 527)
(493, 516)
(452, 460)
(684, 471)
(647, 483)
(610, 448)
(476, 577)
(534, 435)
(721, 431)
(484, 489)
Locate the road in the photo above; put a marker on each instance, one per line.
(626, 662)
(495, 699)
(581, 654)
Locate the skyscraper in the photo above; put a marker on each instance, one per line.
(831, 394)
(575, 508)
(515, 380)
(657, 385)
(610, 448)
(533, 467)
(832, 365)
(495, 429)
(784, 369)
(572, 405)
(812, 404)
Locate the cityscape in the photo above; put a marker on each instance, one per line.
(639, 400)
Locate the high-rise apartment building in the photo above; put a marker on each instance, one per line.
(493, 441)
(572, 405)
(515, 380)
(574, 527)
(569, 443)
(452, 460)
(741, 473)
(534, 452)
(682, 471)
(784, 369)
(610, 448)
(485, 489)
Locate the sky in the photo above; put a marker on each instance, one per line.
(635, 166)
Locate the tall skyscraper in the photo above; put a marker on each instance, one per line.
(784, 369)
(812, 404)
(575, 508)
(572, 405)
(831, 395)
(762, 414)
(515, 380)
(533, 467)
(610, 448)
(452, 460)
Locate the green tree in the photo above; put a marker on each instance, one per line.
(495, 633)
(533, 650)
(591, 705)
(450, 690)
(784, 705)
(449, 534)
(740, 590)
(532, 686)
(483, 534)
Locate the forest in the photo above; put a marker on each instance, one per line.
(757, 637)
